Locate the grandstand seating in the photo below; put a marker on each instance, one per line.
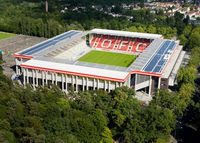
(107, 42)
(76, 50)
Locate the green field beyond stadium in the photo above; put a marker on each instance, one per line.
(108, 58)
(4, 35)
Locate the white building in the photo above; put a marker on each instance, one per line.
(55, 61)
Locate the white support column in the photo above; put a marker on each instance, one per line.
(52, 79)
(150, 82)
(86, 83)
(135, 81)
(56, 78)
(43, 74)
(83, 83)
(36, 75)
(76, 83)
(105, 85)
(33, 75)
(46, 78)
(94, 82)
(108, 86)
(17, 70)
(90, 38)
(16, 63)
(66, 90)
(159, 81)
(72, 80)
(129, 81)
(120, 84)
(62, 80)
(24, 80)
(97, 83)
(27, 76)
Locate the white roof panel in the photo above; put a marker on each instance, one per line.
(76, 70)
(125, 33)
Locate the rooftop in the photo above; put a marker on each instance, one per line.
(61, 54)
(76, 70)
(125, 33)
(51, 44)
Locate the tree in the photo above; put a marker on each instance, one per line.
(83, 127)
(5, 132)
(117, 9)
(132, 29)
(140, 29)
(160, 122)
(124, 106)
(187, 75)
(186, 20)
(160, 140)
(30, 135)
(141, 4)
(135, 130)
(106, 136)
(169, 100)
(194, 40)
(195, 57)
(6, 137)
(186, 96)
(152, 123)
(151, 29)
(183, 40)
(179, 22)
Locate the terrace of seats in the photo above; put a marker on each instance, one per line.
(72, 51)
(126, 44)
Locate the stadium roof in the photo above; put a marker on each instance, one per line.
(170, 66)
(156, 57)
(153, 61)
(125, 33)
(160, 58)
(76, 70)
(49, 44)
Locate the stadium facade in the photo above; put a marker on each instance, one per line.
(56, 61)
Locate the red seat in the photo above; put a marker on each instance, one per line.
(107, 42)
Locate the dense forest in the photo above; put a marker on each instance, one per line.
(88, 2)
(29, 17)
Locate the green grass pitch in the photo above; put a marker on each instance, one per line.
(108, 58)
(5, 35)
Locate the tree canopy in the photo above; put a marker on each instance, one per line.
(30, 18)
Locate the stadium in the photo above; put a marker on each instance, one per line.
(101, 59)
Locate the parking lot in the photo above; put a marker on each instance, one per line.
(12, 45)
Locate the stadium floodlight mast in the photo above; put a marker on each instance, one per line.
(46, 5)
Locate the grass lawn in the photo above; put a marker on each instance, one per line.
(5, 35)
(108, 58)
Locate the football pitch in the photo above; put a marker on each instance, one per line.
(5, 35)
(108, 58)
